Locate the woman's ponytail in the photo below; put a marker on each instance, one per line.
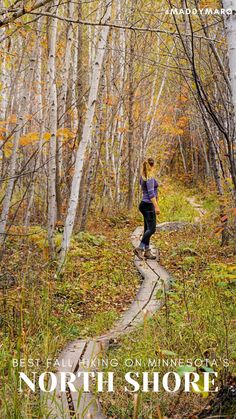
(147, 168)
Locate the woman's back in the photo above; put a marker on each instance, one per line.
(149, 189)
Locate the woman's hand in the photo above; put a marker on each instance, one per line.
(157, 210)
(156, 207)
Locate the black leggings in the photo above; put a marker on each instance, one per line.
(149, 215)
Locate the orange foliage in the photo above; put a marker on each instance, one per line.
(29, 138)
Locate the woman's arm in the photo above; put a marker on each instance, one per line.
(151, 194)
(156, 206)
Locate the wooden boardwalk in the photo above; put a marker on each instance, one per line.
(81, 405)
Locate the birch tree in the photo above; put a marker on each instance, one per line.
(230, 28)
(21, 100)
(131, 113)
(86, 135)
(52, 204)
(66, 64)
(39, 110)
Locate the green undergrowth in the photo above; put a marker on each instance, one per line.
(211, 203)
(174, 204)
(196, 322)
(39, 314)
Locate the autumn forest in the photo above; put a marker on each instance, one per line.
(88, 90)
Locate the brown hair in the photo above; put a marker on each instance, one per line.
(147, 168)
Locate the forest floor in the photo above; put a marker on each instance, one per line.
(196, 322)
(39, 314)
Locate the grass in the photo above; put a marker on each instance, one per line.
(39, 314)
(197, 322)
(174, 205)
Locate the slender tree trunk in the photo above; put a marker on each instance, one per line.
(66, 66)
(80, 113)
(22, 106)
(90, 177)
(230, 26)
(121, 111)
(131, 115)
(39, 109)
(80, 81)
(86, 135)
(93, 158)
(9, 189)
(182, 154)
(52, 166)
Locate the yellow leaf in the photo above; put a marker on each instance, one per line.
(8, 148)
(47, 136)
(29, 138)
(65, 132)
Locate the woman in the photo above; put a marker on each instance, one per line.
(148, 207)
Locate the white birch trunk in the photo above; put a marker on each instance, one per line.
(230, 26)
(13, 160)
(93, 36)
(52, 205)
(67, 62)
(9, 189)
(5, 85)
(39, 110)
(5, 74)
(121, 112)
(62, 105)
(86, 135)
(73, 92)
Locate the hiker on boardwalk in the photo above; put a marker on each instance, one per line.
(148, 207)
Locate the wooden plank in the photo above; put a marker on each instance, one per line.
(155, 277)
(86, 403)
(57, 405)
(69, 357)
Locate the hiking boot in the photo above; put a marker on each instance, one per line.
(139, 252)
(148, 254)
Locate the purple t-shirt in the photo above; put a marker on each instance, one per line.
(149, 189)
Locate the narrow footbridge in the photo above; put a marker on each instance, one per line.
(78, 405)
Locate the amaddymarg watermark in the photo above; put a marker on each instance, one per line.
(205, 11)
